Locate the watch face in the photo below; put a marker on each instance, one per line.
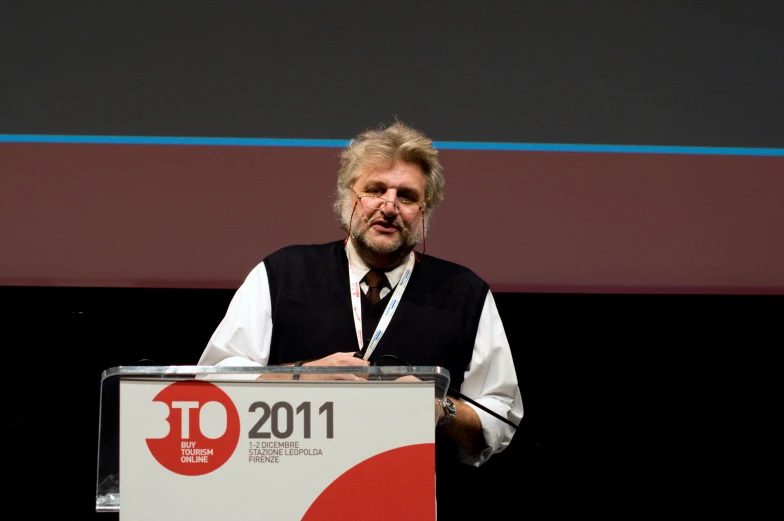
(449, 411)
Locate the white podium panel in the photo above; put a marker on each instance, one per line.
(297, 450)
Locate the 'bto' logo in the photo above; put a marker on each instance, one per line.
(203, 429)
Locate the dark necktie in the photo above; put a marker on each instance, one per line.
(375, 280)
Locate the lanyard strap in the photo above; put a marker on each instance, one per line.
(356, 304)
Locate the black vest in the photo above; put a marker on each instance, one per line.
(434, 324)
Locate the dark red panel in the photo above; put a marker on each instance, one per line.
(203, 216)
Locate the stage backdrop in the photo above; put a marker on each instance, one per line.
(612, 148)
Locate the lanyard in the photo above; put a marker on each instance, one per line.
(356, 304)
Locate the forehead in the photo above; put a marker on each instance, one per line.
(400, 175)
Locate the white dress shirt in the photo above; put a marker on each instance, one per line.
(243, 338)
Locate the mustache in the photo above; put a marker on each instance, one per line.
(394, 222)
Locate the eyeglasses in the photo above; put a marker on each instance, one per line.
(402, 204)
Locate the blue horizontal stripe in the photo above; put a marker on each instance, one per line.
(611, 149)
(340, 143)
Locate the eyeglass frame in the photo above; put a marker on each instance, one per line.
(420, 206)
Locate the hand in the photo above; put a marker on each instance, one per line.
(342, 359)
(338, 360)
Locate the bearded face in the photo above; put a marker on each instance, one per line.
(385, 230)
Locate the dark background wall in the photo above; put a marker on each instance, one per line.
(641, 288)
(613, 147)
(647, 73)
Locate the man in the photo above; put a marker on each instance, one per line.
(296, 306)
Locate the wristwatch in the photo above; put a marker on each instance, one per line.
(449, 412)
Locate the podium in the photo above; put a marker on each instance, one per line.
(280, 442)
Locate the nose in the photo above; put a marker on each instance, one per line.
(390, 207)
(390, 203)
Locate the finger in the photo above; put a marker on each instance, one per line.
(353, 362)
(337, 376)
(349, 377)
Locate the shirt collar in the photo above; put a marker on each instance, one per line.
(361, 269)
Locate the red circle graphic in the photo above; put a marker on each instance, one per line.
(186, 450)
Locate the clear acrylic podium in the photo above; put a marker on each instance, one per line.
(191, 441)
